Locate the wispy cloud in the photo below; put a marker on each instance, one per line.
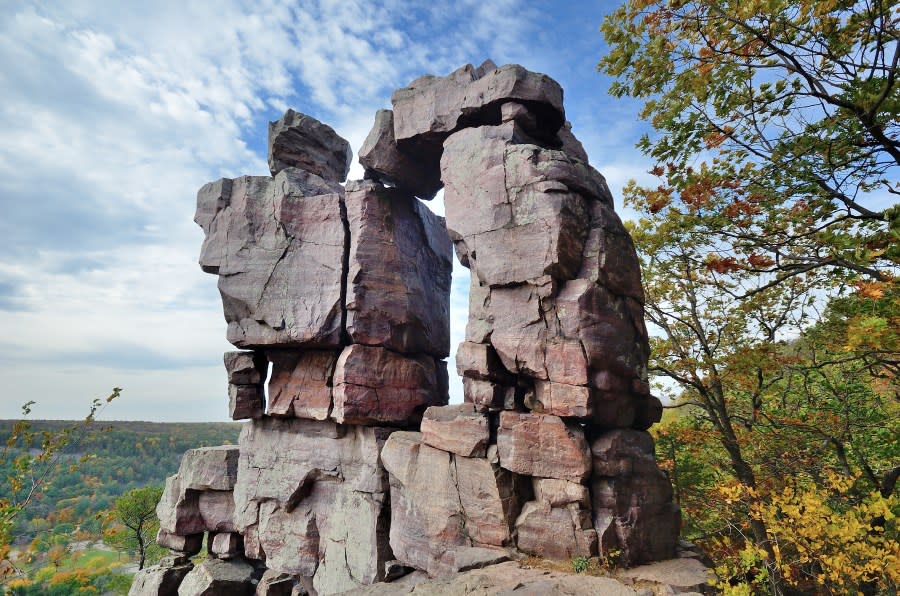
(113, 114)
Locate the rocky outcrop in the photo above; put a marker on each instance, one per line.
(162, 579)
(260, 232)
(311, 500)
(352, 469)
(443, 504)
(300, 141)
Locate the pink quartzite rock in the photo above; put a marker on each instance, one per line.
(226, 545)
(632, 498)
(187, 546)
(442, 504)
(245, 368)
(300, 141)
(562, 400)
(559, 493)
(218, 577)
(277, 245)
(400, 259)
(542, 445)
(245, 401)
(556, 532)
(487, 395)
(375, 385)
(479, 361)
(203, 471)
(430, 107)
(160, 580)
(386, 163)
(246, 373)
(503, 205)
(311, 500)
(300, 385)
(459, 429)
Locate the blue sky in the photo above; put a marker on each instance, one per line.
(112, 115)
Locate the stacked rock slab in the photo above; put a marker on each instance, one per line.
(554, 362)
(351, 465)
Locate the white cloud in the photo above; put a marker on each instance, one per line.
(113, 114)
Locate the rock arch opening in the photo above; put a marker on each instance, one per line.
(345, 292)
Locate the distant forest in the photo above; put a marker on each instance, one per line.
(123, 456)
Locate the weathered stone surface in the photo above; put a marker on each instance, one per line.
(487, 395)
(375, 385)
(632, 498)
(218, 577)
(480, 361)
(311, 500)
(559, 493)
(556, 532)
(277, 245)
(301, 141)
(273, 583)
(542, 445)
(386, 163)
(245, 367)
(441, 502)
(245, 401)
(216, 510)
(562, 400)
(505, 579)
(398, 285)
(300, 385)
(509, 204)
(188, 545)
(159, 580)
(603, 323)
(197, 499)
(209, 468)
(430, 107)
(459, 429)
(570, 143)
(609, 255)
(226, 545)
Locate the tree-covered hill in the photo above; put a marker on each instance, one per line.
(121, 456)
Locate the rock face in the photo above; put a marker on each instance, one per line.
(299, 141)
(443, 504)
(351, 469)
(398, 290)
(311, 500)
(277, 245)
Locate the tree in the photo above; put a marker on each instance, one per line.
(31, 460)
(136, 511)
(777, 126)
(777, 150)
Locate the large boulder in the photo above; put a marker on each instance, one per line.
(398, 282)
(443, 504)
(458, 429)
(430, 107)
(384, 161)
(277, 245)
(632, 498)
(374, 385)
(219, 577)
(542, 445)
(160, 580)
(300, 385)
(300, 141)
(311, 500)
(199, 497)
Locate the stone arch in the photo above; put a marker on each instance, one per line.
(356, 460)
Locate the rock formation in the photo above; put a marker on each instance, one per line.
(351, 467)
